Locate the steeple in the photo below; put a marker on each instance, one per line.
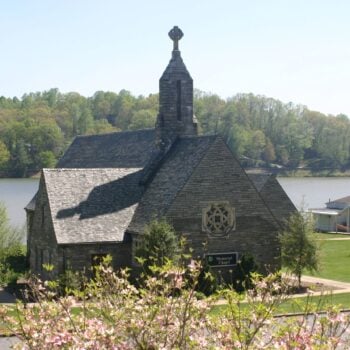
(175, 118)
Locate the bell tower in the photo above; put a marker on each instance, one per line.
(175, 117)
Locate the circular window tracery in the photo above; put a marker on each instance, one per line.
(218, 218)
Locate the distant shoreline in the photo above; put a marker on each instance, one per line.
(284, 172)
(302, 172)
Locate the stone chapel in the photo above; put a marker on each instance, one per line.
(107, 188)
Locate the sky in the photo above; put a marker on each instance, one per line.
(292, 50)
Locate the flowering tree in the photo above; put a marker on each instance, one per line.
(110, 313)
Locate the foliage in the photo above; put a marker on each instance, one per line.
(158, 244)
(12, 252)
(110, 313)
(207, 282)
(243, 273)
(4, 154)
(299, 250)
(257, 127)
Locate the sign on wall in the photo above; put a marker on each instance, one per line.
(221, 259)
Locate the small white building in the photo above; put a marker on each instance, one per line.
(335, 217)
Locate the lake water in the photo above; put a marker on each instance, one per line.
(313, 191)
(16, 194)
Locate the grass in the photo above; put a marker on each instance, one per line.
(334, 257)
(297, 305)
(325, 236)
(335, 260)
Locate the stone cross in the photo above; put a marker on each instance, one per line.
(175, 35)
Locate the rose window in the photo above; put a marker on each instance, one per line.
(218, 219)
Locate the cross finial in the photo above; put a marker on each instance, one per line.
(175, 35)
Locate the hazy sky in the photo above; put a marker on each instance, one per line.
(296, 50)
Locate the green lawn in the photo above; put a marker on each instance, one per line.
(335, 264)
(319, 235)
(297, 305)
(334, 260)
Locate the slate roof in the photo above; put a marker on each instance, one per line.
(128, 149)
(173, 172)
(31, 205)
(273, 195)
(175, 66)
(92, 205)
(99, 204)
(258, 180)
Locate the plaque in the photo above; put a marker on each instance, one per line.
(221, 259)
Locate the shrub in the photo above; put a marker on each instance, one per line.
(158, 244)
(207, 282)
(242, 274)
(12, 251)
(110, 313)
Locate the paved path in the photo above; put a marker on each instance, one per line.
(7, 343)
(6, 297)
(334, 239)
(339, 287)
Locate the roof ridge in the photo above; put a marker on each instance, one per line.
(199, 136)
(88, 169)
(114, 132)
(339, 199)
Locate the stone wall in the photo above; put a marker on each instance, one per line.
(81, 257)
(220, 178)
(41, 242)
(43, 248)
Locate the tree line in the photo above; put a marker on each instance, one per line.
(36, 129)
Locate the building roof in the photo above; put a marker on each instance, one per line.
(170, 176)
(128, 149)
(345, 200)
(92, 205)
(31, 205)
(323, 211)
(100, 204)
(259, 180)
(274, 195)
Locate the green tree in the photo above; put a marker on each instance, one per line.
(4, 154)
(142, 119)
(47, 159)
(12, 253)
(257, 143)
(298, 249)
(269, 154)
(159, 243)
(21, 159)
